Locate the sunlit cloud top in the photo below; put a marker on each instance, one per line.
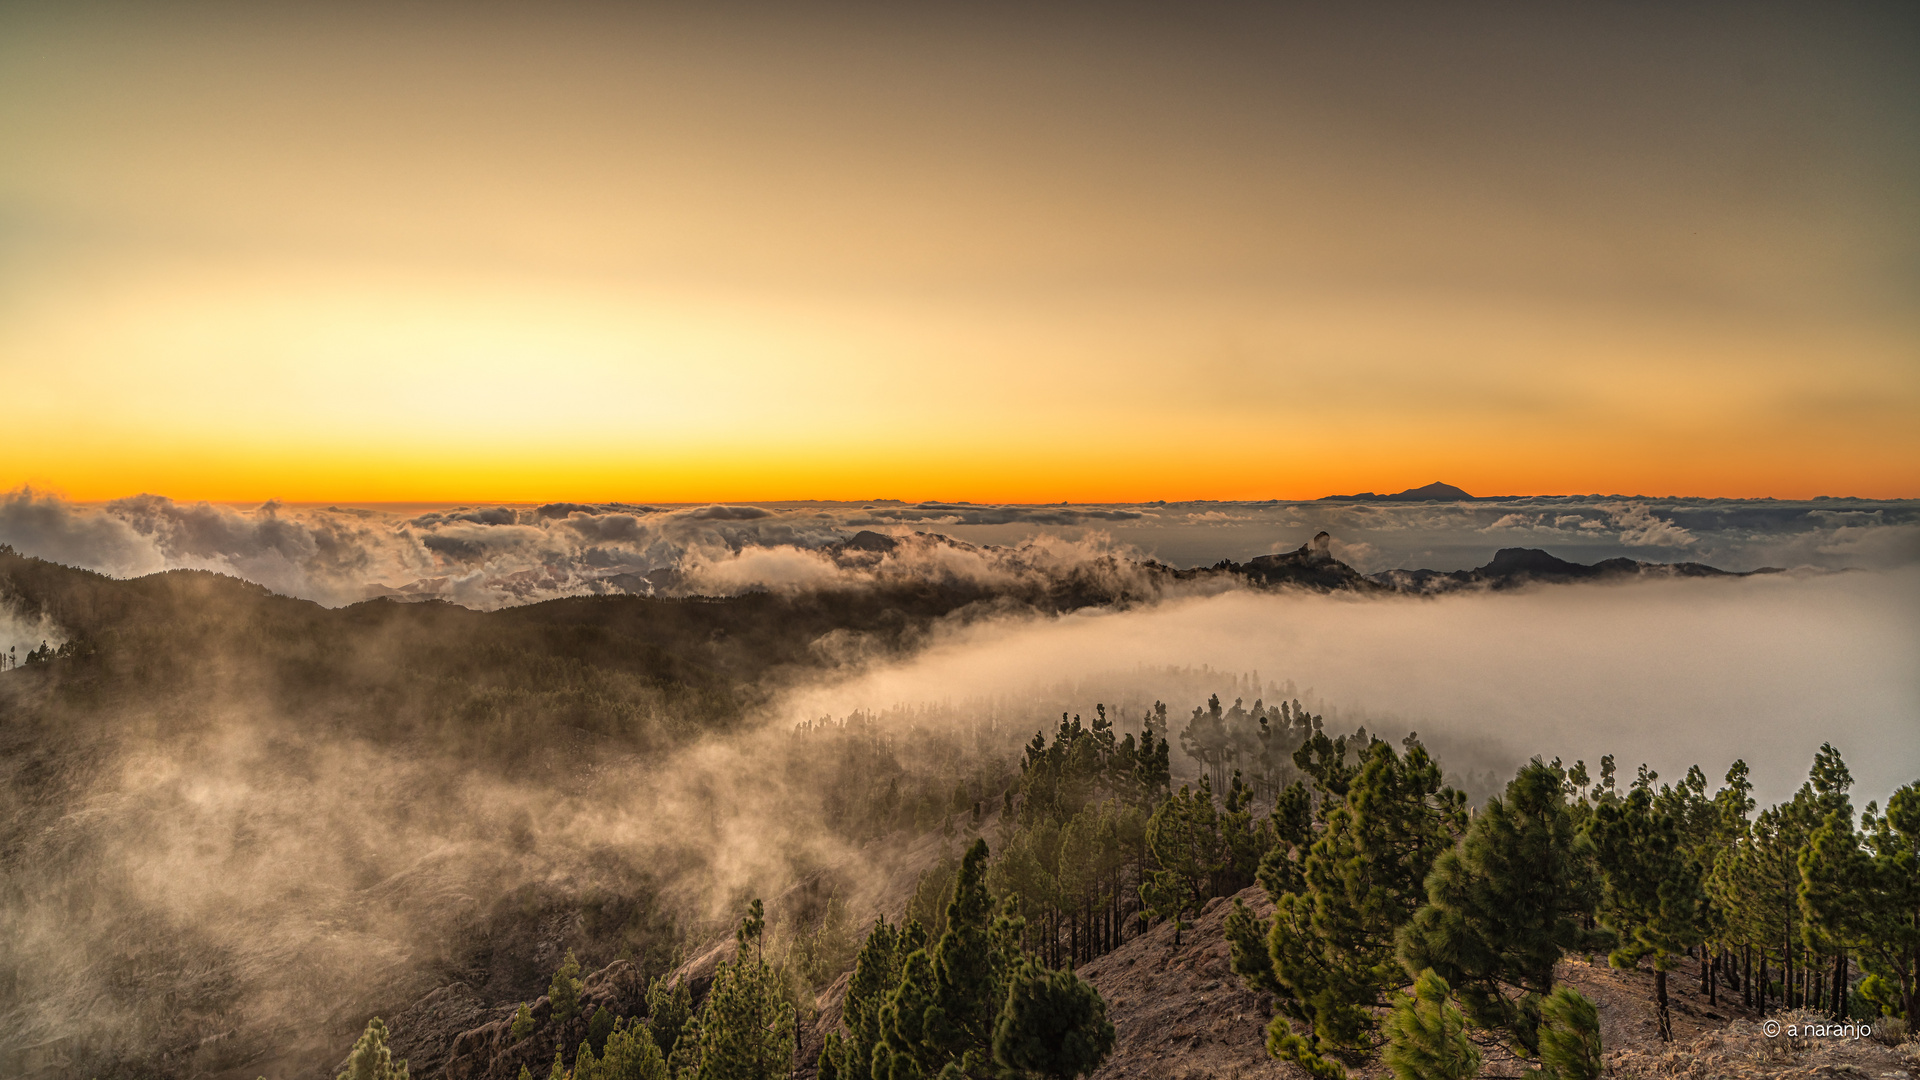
(250, 252)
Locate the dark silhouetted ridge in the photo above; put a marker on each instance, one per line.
(1434, 492)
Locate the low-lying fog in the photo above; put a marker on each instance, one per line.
(1670, 673)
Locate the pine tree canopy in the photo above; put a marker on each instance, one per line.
(599, 1026)
(1504, 905)
(1887, 895)
(630, 1054)
(370, 1059)
(1053, 1025)
(563, 992)
(1569, 1037)
(1427, 1037)
(669, 1006)
(522, 1023)
(1334, 943)
(747, 1025)
(1652, 895)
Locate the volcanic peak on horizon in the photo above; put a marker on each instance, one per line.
(1434, 492)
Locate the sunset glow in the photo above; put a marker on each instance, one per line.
(258, 254)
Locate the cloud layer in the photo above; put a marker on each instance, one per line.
(496, 556)
(1670, 672)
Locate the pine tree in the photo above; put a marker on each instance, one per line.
(1506, 904)
(1247, 949)
(1184, 839)
(1246, 842)
(1653, 895)
(909, 1024)
(747, 1025)
(684, 1062)
(1154, 775)
(1427, 1037)
(1053, 1025)
(968, 972)
(1889, 899)
(563, 992)
(1333, 944)
(370, 1059)
(833, 1051)
(1207, 740)
(1569, 1037)
(522, 1023)
(669, 1006)
(876, 974)
(631, 1054)
(599, 1026)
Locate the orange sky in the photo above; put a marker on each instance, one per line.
(462, 254)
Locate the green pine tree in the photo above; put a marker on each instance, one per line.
(522, 1023)
(1427, 1037)
(1569, 1037)
(631, 1054)
(1184, 839)
(684, 1062)
(599, 1026)
(563, 992)
(950, 997)
(1653, 896)
(876, 974)
(910, 1029)
(1888, 898)
(1053, 1025)
(1247, 948)
(1506, 904)
(747, 1025)
(833, 1050)
(669, 1006)
(370, 1059)
(1334, 943)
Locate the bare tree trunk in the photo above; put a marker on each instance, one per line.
(1746, 976)
(1840, 985)
(1660, 998)
(1786, 969)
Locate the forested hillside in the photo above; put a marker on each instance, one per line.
(561, 838)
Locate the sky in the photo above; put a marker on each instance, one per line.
(998, 253)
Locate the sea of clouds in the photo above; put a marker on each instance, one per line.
(490, 556)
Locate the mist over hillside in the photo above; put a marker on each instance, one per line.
(239, 822)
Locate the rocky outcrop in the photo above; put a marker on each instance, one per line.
(1511, 568)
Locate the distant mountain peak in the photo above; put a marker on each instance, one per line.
(1434, 492)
